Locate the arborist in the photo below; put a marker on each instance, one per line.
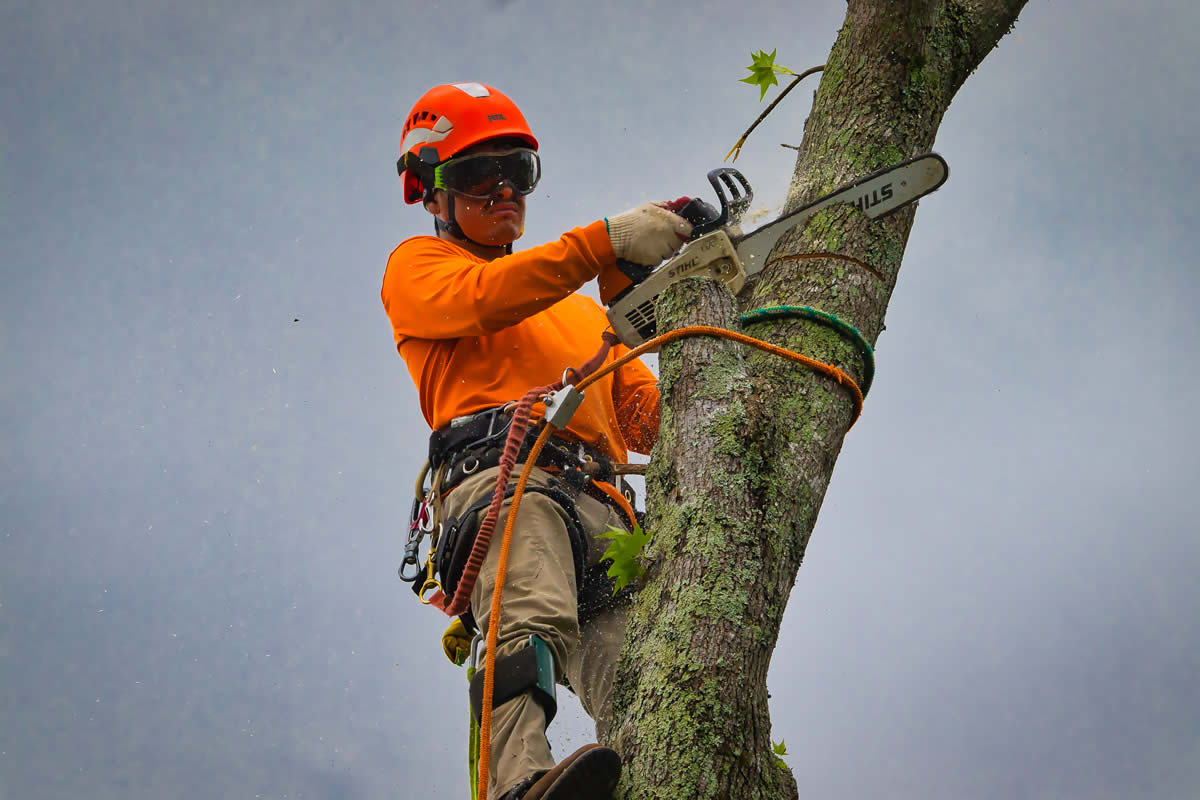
(477, 325)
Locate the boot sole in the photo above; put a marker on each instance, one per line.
(592, 776)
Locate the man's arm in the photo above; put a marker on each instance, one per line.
(435, 290)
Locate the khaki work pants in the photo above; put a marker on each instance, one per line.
(540, 597)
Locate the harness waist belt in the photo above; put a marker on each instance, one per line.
(476, 442)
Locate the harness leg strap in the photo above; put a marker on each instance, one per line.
(529, 669)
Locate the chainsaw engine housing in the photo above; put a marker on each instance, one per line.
(712, 255)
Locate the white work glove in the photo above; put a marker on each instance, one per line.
(647, 234)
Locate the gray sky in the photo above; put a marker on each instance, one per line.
(210, 441)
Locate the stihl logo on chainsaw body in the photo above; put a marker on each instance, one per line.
(700, 258)
(873, 199)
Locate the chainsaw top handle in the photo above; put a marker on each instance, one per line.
(705, 218)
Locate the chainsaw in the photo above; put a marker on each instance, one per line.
(712, 252)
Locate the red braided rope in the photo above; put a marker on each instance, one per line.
(460, 601)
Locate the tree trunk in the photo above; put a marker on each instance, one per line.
(748, 440)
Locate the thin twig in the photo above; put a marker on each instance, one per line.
(737, 148)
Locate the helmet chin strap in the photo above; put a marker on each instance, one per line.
(454, 229)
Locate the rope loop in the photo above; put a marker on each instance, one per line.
(828, 370)
(826, 319)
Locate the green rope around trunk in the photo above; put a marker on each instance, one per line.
(826, 319)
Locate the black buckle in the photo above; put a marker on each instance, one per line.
(492, 432)
(470, 433)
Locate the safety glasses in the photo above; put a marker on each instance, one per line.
(482, 175)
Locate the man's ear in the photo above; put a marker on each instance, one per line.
(436, 202)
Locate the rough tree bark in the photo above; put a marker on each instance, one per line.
(748, 441)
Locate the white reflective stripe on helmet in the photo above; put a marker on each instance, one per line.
(440, 130)
(473, 89)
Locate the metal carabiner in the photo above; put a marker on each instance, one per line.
(473, 657)
(429, 585)
(412, 549)
(409, 562)
(430, 582)
(425, 522)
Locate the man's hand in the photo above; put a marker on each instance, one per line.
(649, 233)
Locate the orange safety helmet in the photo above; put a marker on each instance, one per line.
(447, 120)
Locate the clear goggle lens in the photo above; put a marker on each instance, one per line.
(482, 175)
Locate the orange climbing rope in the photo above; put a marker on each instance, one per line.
(709, 330)
(493, 624)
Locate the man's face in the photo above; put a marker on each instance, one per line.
(496, 221)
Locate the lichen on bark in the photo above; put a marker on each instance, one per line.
(748, 441)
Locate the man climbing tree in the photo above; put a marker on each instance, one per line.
(748, 441)
(478, 326)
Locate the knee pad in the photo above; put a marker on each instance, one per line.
(530, 669)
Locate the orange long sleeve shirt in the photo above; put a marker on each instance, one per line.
(476, 334)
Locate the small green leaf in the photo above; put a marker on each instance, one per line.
(780, 749)
(762, 72)
(624, 552)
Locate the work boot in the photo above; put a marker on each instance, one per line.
(590, 773)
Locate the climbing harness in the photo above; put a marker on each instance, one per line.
(474, 444)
